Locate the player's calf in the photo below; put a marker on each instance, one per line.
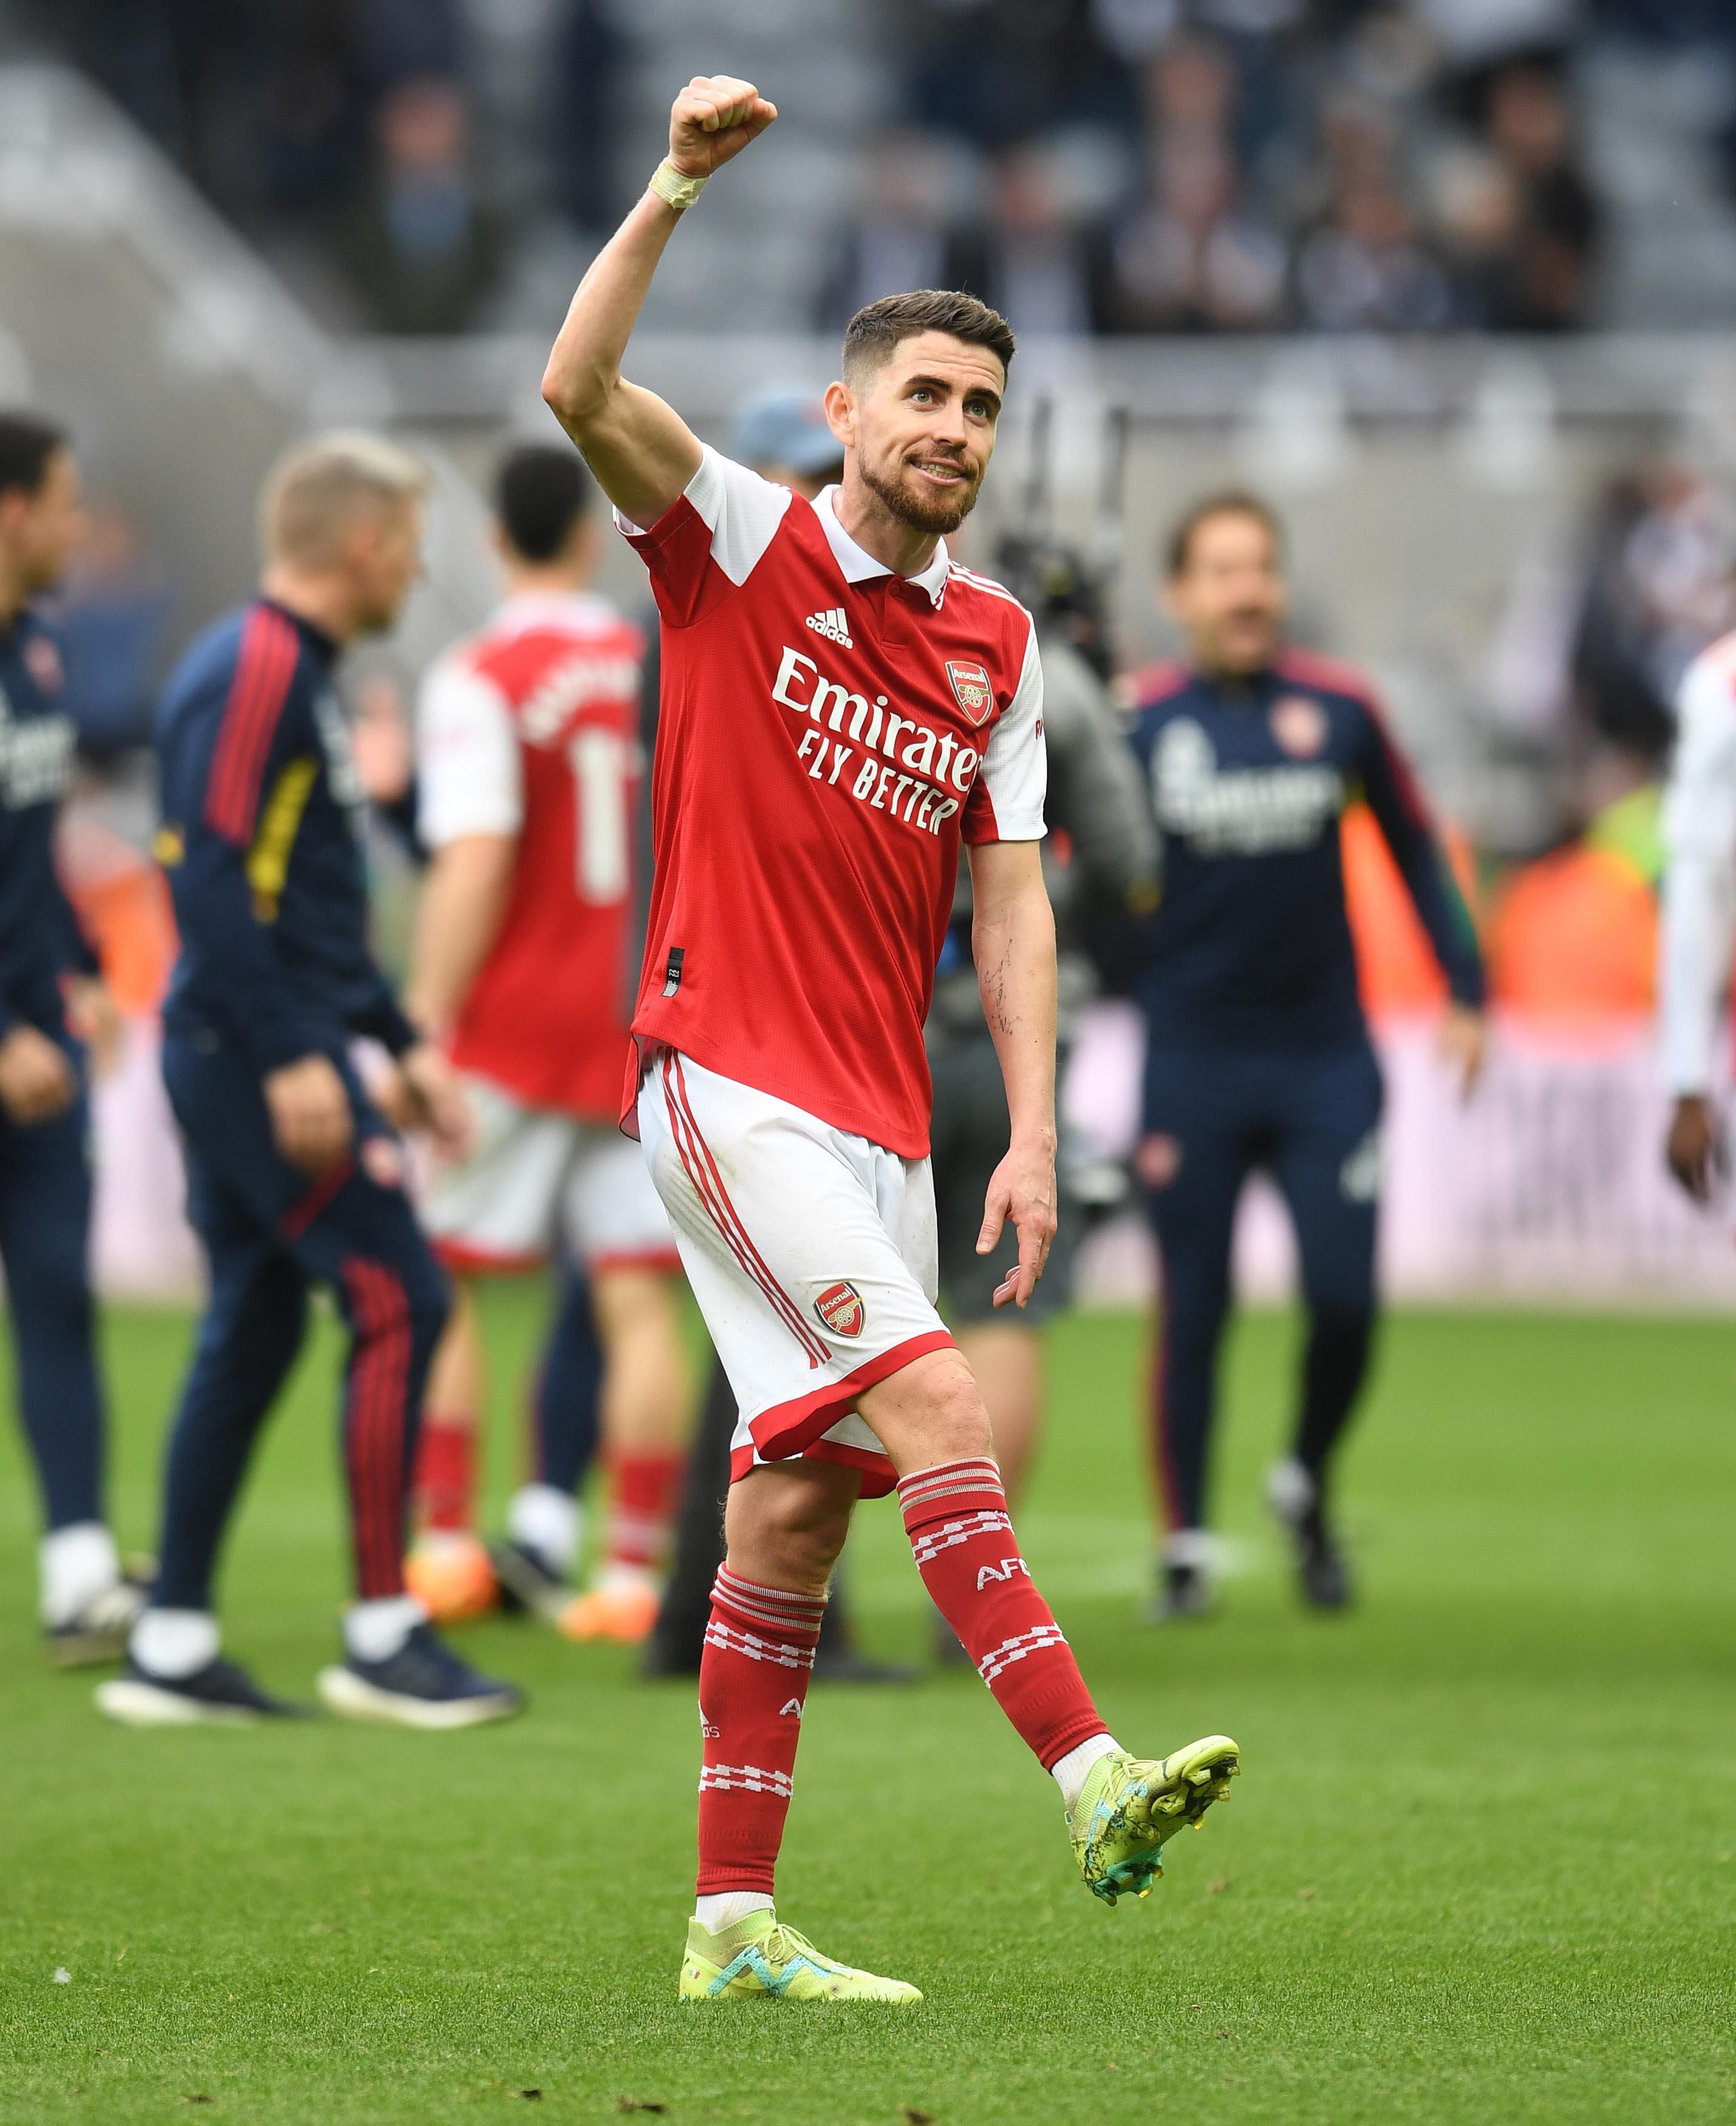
(1120, 1810)
(963, 1541)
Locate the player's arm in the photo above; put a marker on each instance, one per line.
(642, 453)
(1012, 943)
(463, 896)
(469, 784)
(1699, 919)
(1403, 816)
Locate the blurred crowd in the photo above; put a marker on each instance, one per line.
(1239, 165)
(1090, 166)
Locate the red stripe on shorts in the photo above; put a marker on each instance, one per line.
(701, 1169)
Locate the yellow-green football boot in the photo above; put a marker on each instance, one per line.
(759, 1958)
(1128, 1807)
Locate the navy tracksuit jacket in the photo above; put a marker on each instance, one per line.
(261, 841)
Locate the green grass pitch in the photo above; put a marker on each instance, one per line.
(1481, 1866)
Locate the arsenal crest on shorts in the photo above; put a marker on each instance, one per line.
(840, 1307)
(1299, 725)
(970, 685)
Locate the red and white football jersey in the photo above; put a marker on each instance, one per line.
(530, 728)
(829, 733)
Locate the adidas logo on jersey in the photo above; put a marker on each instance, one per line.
(833, 626)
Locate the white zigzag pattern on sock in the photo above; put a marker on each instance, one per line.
(745, 1779)
(931, 1542)
(1010, 1651)
(728, 1641)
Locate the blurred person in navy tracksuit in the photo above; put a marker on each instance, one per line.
(48, 998)
(295, 1173)
(1257, 1051)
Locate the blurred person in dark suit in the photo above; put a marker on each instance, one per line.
(1033, 259)
(422, 246)
(898, 237)
(1367, 265)
(585, 112)
(1657, 590)
(1547, 285)
(1191, 254)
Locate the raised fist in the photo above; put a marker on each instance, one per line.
(714, 118)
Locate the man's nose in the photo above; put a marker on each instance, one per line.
(949, 425)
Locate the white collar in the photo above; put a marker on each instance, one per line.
(529, 609)
(858, 566)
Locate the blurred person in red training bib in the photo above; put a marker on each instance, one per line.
(527, 774)
(844, 708)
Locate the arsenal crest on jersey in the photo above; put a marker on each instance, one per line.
(1299, 725)
(840, 1307)
(971, 686)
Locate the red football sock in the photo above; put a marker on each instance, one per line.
(753, 1685)
(955, 1516)
(445, 1474)
(643, 1490)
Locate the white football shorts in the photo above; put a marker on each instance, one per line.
(537, 1178)
(812, 1253)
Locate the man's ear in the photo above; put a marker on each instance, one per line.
(364, 536)
(1168, 604)
(840, 404)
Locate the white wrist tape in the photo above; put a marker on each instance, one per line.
(674, 187)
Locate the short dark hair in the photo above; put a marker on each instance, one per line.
(1177, 549)
(877, 329)
(540, 492)
(27, 444)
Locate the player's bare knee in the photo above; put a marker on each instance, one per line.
(930, 1411)
(956, 1421)
(785, 1527)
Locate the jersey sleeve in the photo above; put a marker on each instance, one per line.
(469, 773)
(1005, 802)
(1700, 876)
(712, 539)
(1402, 813)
